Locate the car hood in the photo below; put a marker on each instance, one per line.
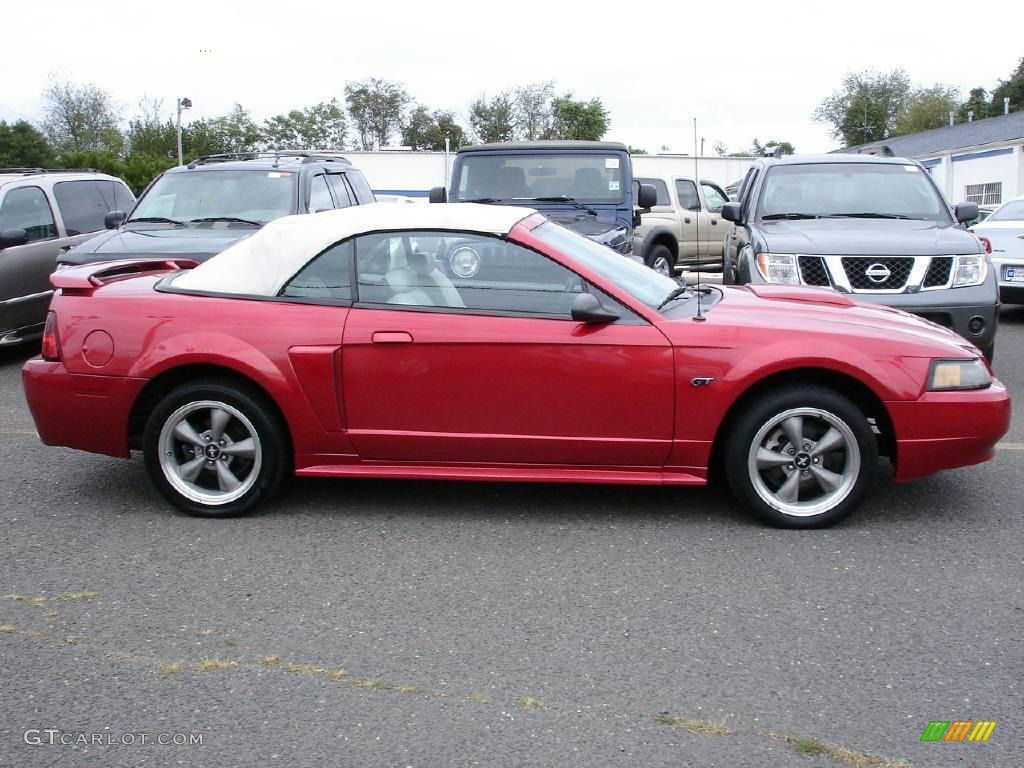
(199, 243)
(874, 237)
(789, 311)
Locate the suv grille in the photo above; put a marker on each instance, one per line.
(812, 271)
(858, 267)
(938, 271)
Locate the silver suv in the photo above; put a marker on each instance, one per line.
(43, 213)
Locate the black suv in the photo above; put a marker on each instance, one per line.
(876, 227)
(199, 209)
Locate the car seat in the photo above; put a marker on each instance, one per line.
(587, 182)
(441, 291)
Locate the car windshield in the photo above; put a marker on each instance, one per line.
(855, 190)
(255, 196)
(1012, 211)
(589, 177)
(642, 283)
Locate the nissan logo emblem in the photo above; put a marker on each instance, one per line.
(877, 273)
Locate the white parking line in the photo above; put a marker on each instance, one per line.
(1010, 446)
(19, 432)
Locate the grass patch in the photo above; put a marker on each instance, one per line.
(479, 698)
(206, 632)
(230, 641)
(70, 639)
(854, 759)
(209, 665)
(303, 669)
(75, 596)
(172, 668)
(372, 682)
(35, 602)
(409, 689)
(51, 614)
(337, 674)
(693, 726)
(528, 702)
(39, 633)
(7, 629)
(270, 661)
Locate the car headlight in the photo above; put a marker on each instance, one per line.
(778, 268)
(947, 375)
(970, 270)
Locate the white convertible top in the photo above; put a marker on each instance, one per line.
(261, 264)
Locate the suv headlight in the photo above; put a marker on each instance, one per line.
(970, 270)
(778, 268)
(945, 375)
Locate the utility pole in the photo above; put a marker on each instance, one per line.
(182, 104)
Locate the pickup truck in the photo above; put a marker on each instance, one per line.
(684, 225)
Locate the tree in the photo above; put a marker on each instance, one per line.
(22, 146)
(532, 111)
(426, 130)
(233, 132)
(493, 120)
(757, 149)
(720, 149)
(578, 120)
(866, 106)
(1012, 88)
(149, 133)
(927, 108)
(81, 118)
(321, 126)
(977, 103)
(376, 107)
(636, 150)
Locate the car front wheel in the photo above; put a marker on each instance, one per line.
(660, 259)
(802, 457)
(215, 449)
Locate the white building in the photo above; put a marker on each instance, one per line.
(980, 161)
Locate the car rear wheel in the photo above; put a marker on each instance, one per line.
(660, 259)
(802, 457)
(215, 449)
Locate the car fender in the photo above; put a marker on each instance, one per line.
(660, 234)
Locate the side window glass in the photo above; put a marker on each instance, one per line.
(687, 192)
(328, 276)
(462, 271)
(341, 193)
(319, 195)
(26, 208)
(363, 192)
(82, 206)
(661, 188)
(713, 198)
(124, 200)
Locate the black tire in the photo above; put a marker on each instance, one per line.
(989, 351)
(660, 254)
(821, 411)
(252, 418)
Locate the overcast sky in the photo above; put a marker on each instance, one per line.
(742, 69)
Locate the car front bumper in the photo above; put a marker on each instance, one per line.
(80, 411)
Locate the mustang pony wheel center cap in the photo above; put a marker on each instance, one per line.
(802, 460)
(212, 452)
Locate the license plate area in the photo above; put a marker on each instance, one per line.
(1013, 274)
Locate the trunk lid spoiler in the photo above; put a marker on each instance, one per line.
(88, 277)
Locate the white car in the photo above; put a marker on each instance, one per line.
(1003, 233)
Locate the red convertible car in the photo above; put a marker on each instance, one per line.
(469, 342)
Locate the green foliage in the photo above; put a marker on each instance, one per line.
(493, 120)
(978, 104)
(1012, 87)
(927, 108)
(426, 130)
(81, 118)
(22, 146)
(757, 149)
(636, 150)
(578, 120)
(532, 112)
(376, 108)
(866, 107)
(321, 126)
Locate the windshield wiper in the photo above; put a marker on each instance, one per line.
(771, 216)
(228, 218)
(481, 200)
(675, 294)
(868, 216)
(157, 219)
(564, 199)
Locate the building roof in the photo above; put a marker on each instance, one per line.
(991, 130)
(261, 264)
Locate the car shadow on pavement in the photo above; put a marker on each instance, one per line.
(16, 355)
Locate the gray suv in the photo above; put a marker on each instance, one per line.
(43, 214)
(875, 227)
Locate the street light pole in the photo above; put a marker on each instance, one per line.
(182, 104)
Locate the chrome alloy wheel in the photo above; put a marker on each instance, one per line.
(210, 452)
(804, 461)
(662, 267)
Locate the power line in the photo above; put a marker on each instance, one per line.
(20, 114)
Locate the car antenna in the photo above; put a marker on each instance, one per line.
(699, 317)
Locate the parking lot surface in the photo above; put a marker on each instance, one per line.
(371, 623)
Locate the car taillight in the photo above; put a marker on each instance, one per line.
(985, 242)
(51, 344)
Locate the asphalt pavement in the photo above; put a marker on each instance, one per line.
(370, 623)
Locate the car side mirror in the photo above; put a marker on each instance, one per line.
(731, 212)
(12, 237)
(966, 212)
(647, 197)
(439, 195)
(586, 308)
(114, 219)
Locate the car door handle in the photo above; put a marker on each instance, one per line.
(714, 221)
(392, 337)
(686, 221)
